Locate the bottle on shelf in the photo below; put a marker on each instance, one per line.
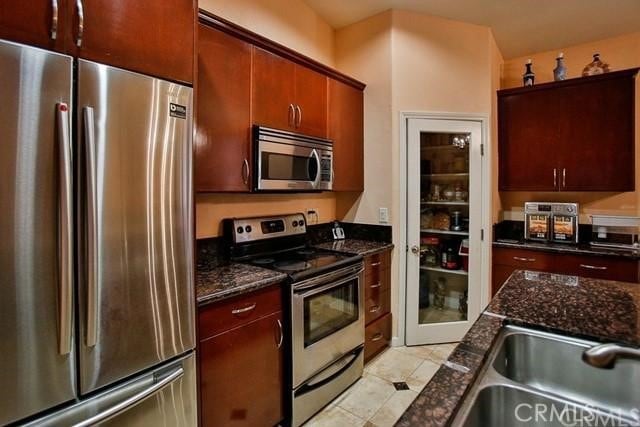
(528, 78)
(560, 72)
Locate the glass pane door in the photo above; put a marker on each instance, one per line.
(444, 173)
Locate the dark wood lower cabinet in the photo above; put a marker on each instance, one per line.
(507, 260)
(377, 303)
(377, 336)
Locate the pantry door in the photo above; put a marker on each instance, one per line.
(444, 223)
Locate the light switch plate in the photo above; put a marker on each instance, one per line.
(383, 216)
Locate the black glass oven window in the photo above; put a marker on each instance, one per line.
(329, 311)
(287, 167)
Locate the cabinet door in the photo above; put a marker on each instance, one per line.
(241, 375)
(311, 102)
(223, 116)
(597, 135)
(42, 23)
(346, 129)
(273, 90)
(528, 139)
(146, 36)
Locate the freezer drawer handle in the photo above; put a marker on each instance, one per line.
(592, 267)
(243, 310)
(132, 401)
(93, 256)
(65, 266)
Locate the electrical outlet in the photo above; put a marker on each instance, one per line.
(313, 215)
(383, 216)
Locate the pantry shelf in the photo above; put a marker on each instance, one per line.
(443, 270)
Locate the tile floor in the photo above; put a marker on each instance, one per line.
(373, 401)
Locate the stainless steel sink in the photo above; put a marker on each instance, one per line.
(530, 373)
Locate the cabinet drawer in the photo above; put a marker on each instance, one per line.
(624, 270)
(377, 305)
(523, 259)
(377, 282)
(377, 263)
(377, 337)
(234, 312)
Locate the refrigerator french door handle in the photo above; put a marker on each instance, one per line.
(65, 260)
(93, 256)
(132, 401)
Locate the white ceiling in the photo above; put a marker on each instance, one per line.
(520, 27)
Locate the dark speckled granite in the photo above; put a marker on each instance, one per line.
(225, 281)
(354, 246)
(587, 308)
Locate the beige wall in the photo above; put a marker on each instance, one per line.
(620, 52)
(295, 25)
(288, 22)
(411, 62)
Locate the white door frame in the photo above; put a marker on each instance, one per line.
(486, 197)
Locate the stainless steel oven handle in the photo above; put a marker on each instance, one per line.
(328, 286)
(93, 255)
(65, 267)
(352, 270)
(316, 182)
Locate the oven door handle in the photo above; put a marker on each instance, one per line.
(351, 271)
(326, 377)
(328, 286)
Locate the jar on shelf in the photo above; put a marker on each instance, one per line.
(450, 259)
(430, 251)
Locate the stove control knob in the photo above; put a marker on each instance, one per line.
(301, 223)
(240, 230)
(295, 223)
(247, 229)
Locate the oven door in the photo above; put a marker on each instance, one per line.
(328, 322)
(282, 166)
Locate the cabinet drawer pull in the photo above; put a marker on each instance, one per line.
(555, 177)
(245, 171)
(377, 337)
(80, 7)
(54, 19)
(376, 285)
(517, 258)
(564, 178)
(243, 310)
(291, 114)
(298, 122)
(374, 309)
(592, 267)
(281, 333)
(375, 264)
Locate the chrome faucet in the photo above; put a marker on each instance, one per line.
(604, 355)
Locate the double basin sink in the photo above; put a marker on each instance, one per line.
(536, 378)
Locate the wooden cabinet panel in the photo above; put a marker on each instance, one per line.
(223, 117)
(311, 102)
(273, 90)
(233, 312)
(377, 304)
(377, 337)
(527, 136)
(625, 270)
(32, 22)
(377, 262)
(598, 131)
(523, 259)
(499, 274)
(345, 109)
(376, 282)
(241, 375)
(150, 37)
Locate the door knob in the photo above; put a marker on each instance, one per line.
(415, 249)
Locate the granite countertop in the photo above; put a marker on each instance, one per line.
(217, 282)
(598, 310)
(581, 249)
(355, 246)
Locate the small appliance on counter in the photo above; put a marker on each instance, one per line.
(615, 232)
(551, 222)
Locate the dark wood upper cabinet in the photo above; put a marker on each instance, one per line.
(574, 135)
(147, 36)
(41, 23)
(311, 102)
(273, 90)
(346, 129)
(223, 115)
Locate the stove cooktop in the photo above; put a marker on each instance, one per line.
(302, 261)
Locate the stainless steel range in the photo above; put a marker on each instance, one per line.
(326, 302)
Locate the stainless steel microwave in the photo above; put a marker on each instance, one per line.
(286, 161)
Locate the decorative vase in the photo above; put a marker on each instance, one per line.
(560, 72)
(595, 67)
(528, 78)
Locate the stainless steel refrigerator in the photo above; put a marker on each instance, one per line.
(96, 272)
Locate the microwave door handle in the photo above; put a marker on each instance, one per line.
(314, 154)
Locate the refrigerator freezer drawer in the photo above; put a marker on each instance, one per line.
(136, 233)
(163, 397)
